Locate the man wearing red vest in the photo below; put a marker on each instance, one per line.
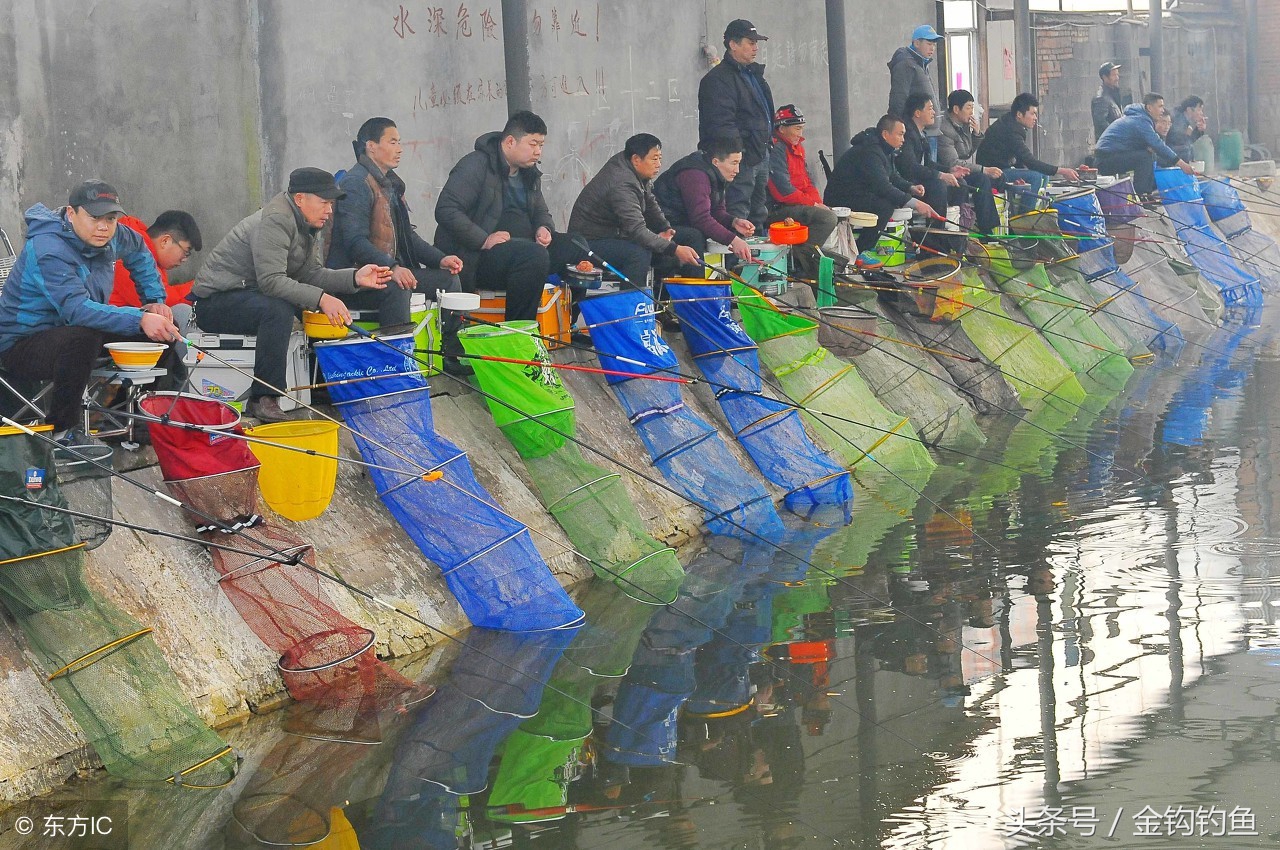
(171, 239)
(791, 190)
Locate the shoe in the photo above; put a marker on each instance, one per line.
(71, 437)
(868, 260)
(457, 368)
(266, 409)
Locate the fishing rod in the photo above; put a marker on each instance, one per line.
(569, 367)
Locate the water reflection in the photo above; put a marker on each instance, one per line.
(1085, 623)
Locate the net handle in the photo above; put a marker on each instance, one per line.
(98, 654)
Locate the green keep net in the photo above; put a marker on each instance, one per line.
(1066, 323)
(535, 411)
(1127, 330)
(906, 378)
(1026, 360)
(845, 414)
(102, 663)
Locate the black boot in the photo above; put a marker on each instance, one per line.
(451, 346)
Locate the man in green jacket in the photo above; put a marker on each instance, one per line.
(267, 270)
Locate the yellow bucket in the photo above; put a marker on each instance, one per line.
(297, 486)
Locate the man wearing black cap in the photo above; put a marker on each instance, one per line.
(791, 190)
(54, 311)
(267, 270)
(1106, 106)
(734, 100)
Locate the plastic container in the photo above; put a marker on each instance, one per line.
(553, 314)
(316, 325)
(227, 375)
(891, 248)
(297, 486)
(781, 233)
(136, 356)
(425, 316)
(1230, 149)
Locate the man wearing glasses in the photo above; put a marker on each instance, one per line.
(171, 239)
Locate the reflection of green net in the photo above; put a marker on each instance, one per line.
(533, 781)
(1128, 330)
(102, 663)
(1066, 322)
(537, 404)
(1023, 356)
(111, 675)
(907, 379)
(590, 503)
(880, 503)
(791, 606)
(846, 415)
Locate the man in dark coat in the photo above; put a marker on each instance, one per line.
(1005, 146)
(916, 165)
(1106, 106)
(492, 214)
(866, 179)
(618, 214)
(734, 100)
(371, 225)
(1189, 124)
(910, 72)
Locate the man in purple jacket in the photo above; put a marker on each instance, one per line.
(692, 194)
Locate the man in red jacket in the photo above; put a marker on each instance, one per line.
(171, 239)
(791, 189)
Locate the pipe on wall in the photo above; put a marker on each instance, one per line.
(515, 51)
(838, 76)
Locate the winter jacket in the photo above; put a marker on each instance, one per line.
(913, 160)
(789, 180)
(1105, 108)
(730, 105)
(371, 224)
(59, 280)
(1005, 146)
(1182, 135)
(867, 168)
(471, 202)
(909, 73)
(1136, 131)
(124, 291)
(275, 252)
(957, 145)
(691, 194)
(617, 204)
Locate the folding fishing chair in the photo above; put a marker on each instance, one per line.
(19, 400)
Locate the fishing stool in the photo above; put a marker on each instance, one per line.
(118, 421)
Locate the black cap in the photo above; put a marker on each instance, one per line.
(97, 198)
(1106, 68)
(742, 29)
(315, 181)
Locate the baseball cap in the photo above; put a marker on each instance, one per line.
(742, 29)
(96, 197)
(1107, 67)
(925, 31)
(315, 181)
(787, 115)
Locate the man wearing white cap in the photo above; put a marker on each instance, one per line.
(910, 72)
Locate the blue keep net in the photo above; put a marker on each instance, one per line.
(1118, 296)
(687, 450)
(487, 556)
(1218, 377)
(1205, 247)
(1223, 204)
(1081, 215)
(770, 430)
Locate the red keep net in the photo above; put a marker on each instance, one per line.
(272, 581)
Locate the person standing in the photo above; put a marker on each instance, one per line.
(1106, 107)
(910, 72)
(734, 99)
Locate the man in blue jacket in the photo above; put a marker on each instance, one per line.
(54, 310)
(1132, 144)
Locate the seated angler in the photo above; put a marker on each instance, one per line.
(791, 190)
(692, 194)
(371, 225)
(267, 270)
(618, 213)
(866, 179)
(1189, 124)
(1005, 145)
(171, 239)
(957, 145)
(1132, 144)
(918, 168)
(54, 310)
(492, 213)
